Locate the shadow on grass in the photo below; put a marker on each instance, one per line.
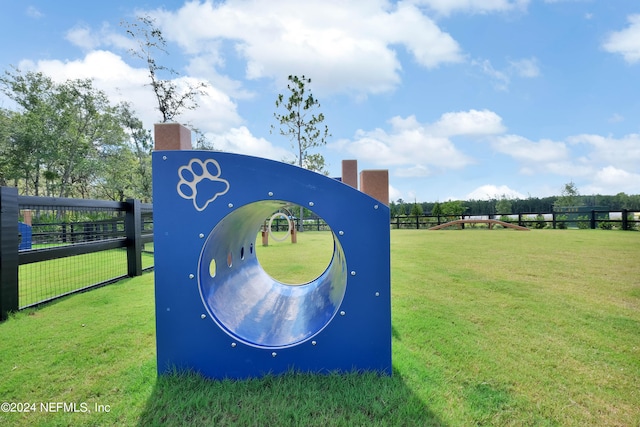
(293, 399)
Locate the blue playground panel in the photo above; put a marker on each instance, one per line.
(219, 313)
(24, 231)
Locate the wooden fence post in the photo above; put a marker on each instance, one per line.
(625, 219)
(133, 230)
(8, 251)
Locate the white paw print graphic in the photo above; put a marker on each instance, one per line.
(200, 182)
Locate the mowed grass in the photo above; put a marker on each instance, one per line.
(492, 327)
(43, 280)
(297, 263)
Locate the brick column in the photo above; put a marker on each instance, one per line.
(350, 172)
(375, 183)
(171, 136)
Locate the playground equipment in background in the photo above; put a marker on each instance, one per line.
(219, 313)
(267, 228)
(24, 236)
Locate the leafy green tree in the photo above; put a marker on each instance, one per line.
(58, 138)
(569, 196)
(416, 209)
(453, 208)
(172, 99)
(302, 126)
(126, 170)
(401, 207)
(304, 129)
(437, 209)
(393, 209)
(116, 182)
(140, 144)
(86, 125)
(622, 201)
(503, 206)
(7, 166)
(30, 142)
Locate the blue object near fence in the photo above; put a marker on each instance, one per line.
(219, 313)
(24, 233)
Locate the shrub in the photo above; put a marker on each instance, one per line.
(605, 225)
(561, 224)
(584, 222)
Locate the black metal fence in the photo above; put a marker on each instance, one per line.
(620, 220)
(310, 224)
(53, 247)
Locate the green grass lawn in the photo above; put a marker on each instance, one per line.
(42, 280)
(489, 328)
(299, 263)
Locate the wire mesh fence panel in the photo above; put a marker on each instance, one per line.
(52, 247)
(147, 229)
(59, 226)
(74, 245)
(45, 280)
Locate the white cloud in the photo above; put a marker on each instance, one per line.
(88, 39)
(394, 193)
(622, 152)
(472, 122)
(413, 172)
(526, 150)
(204, 66)
(606, 165)
(347, 46)
(83, 37)
(501, 79)
(568, 168)
(34, 12)
(103, 66)
(409, 144)
(447, 7)
(121, 82)
(421, 149)
(240, 140)
(611, 180)
(489, 191)
(527, 67)
(616, 118)
(626, 42)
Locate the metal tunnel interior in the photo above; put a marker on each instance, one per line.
(250, 305)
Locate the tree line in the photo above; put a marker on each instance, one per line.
(68, 140)
(506, 205)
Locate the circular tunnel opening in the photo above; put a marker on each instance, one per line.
(251, 305)
(298, 263)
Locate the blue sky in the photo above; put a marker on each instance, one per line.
(458, 99)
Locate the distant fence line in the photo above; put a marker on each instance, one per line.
(62, 228)
(623, 220)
